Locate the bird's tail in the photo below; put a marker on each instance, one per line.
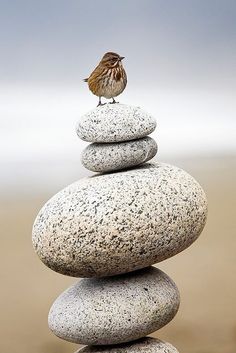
(85, 79)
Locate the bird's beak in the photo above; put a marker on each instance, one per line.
(121, 58)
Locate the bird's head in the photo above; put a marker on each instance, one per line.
(111, 60)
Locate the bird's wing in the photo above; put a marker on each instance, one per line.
(98, 73)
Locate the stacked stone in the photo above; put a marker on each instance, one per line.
(119, 136)
(110, 228)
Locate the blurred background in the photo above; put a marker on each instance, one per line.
(180, 57)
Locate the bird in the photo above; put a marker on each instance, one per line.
(109, 78)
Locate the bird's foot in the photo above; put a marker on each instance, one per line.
(113, 101)
(100, 102)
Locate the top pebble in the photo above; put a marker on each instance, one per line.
(115, 123)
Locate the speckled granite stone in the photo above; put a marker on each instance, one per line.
(104, 157)
(116, 309)
(114, 223)
(143, 345)
(114, 123)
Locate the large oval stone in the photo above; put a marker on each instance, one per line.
(115, 223)
(116, 309)
(143, 345)
(114, 123)
(104, 157)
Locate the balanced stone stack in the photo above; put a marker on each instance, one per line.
(110, 228)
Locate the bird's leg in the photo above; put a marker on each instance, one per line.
(113, 101)
(100, 102)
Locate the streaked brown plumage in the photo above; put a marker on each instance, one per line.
(109, 78)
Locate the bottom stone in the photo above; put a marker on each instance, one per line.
(143, 345)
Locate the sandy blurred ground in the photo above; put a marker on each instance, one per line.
(205, 274)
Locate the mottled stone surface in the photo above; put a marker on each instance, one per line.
(114, 223)
(143, 345)
(116, 309)
(114, 123)
(104, 157)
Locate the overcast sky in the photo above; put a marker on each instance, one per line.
(165, 42)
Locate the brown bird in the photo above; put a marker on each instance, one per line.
(109, 78)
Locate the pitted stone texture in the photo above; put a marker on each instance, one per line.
(116, 309)
(115, 223)
(104, 157)
(115, 123)
(143, 345)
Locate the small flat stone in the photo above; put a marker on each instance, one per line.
(115, 223)
(143, 345)
(115, 123)
(113, 310)
(104, 157)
